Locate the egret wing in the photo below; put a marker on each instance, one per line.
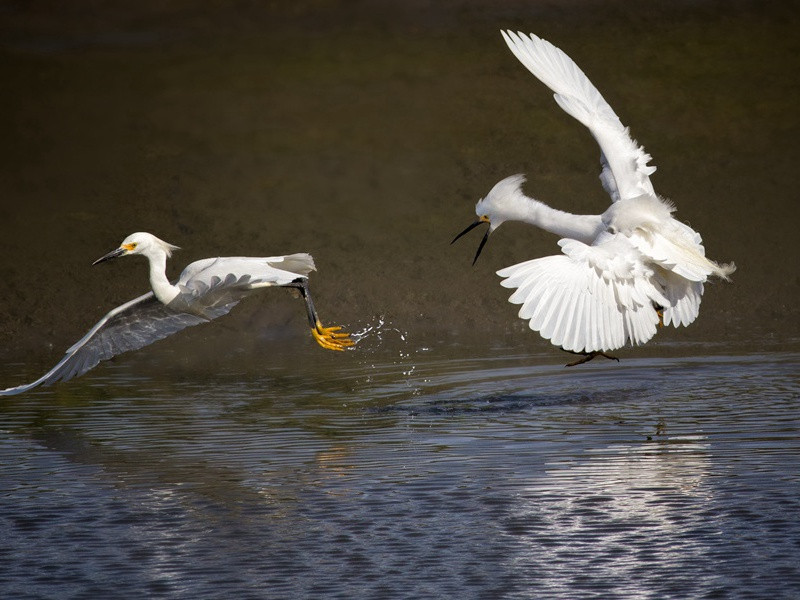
(607, 178)
(625, 172)
(131, 326)
(684, 299)
(275, 270)
(591, 298)
(677, 248)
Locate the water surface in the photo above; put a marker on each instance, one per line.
(420, 476)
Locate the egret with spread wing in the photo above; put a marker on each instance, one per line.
(621, 273)
(206, 289)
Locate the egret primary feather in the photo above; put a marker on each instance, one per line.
(206, 289)
(621, 273)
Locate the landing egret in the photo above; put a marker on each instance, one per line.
(621, 273)
(206, 289)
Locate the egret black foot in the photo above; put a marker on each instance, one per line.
(587, 356)
(331, 338)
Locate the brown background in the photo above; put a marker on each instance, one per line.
(364, 132)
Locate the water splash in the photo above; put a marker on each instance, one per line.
(378, 328)
(380, 336)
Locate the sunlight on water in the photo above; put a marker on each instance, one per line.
(416, 475)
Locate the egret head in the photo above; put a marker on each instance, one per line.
(501, 204)
(139, 243)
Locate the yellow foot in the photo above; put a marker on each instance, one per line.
(332, 338)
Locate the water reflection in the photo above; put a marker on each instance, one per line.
(617, 510)
(416, 475)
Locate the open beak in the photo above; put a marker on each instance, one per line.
(113, 254)
(483, 241)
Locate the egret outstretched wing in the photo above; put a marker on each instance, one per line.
(141, 322)
(625, 172)
(591, 298)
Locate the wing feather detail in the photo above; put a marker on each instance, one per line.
(625, 172)
(684, 299)
(591, 298)
(275, 270)
(678, 248)
(141, 322)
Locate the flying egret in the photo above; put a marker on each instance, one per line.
(206, 289)
(621, 273)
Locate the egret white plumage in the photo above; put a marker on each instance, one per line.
(621, 273)
(205, 290)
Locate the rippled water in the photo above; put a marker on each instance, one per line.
(420, 477)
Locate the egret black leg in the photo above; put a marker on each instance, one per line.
(587, 356)
(330, 338)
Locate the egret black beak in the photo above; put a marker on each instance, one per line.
(113, 254)
(483, 241)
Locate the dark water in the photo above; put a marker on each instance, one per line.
(418, 477)
(451, 454)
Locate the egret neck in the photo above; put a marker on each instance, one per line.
(162, 288)
(584, 228)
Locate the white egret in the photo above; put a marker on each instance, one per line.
(621, 273)
(205, 290)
